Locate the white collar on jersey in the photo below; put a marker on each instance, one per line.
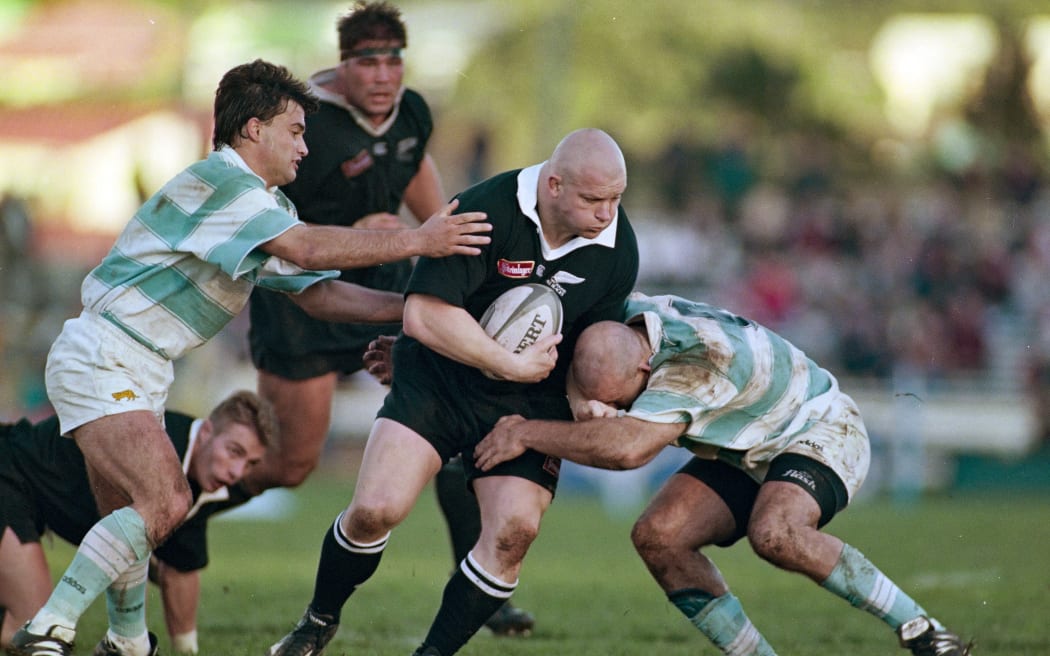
(654, 330)
(320, 78)
(233, 157)
(528, 181)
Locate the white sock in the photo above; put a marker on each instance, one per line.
(136, 646)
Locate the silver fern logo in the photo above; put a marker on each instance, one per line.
(561, 278)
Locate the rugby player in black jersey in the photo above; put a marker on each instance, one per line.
(558, 223)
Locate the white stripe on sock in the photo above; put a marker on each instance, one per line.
(355, 547)
(107, 551)
(882, 595)
(745, 642)
(134, 575)
(487, 583)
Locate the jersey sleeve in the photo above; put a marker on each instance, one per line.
(278, 275)
(240, 255)
(663, 407)
(229, 226)
(420, 119)
(237, 243)
(455, 278)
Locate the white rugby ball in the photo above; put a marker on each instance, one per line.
(521, 316)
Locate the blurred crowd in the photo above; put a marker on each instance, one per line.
(942, 277)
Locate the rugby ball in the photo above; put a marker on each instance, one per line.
(521, 316)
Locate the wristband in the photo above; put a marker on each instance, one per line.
(185, 643)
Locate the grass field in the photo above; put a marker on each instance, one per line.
(979, 563)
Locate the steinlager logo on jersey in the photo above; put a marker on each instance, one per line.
(512, 269)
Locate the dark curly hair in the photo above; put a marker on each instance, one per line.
(370, 21)
(256, 90)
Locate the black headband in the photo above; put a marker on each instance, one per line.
(393, 51)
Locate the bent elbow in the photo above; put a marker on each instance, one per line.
(633, 460)
(311, 300)
(413, 324)
(295, 246)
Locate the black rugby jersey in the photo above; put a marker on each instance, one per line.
(592, 277)
(324, 193)
(51, 467)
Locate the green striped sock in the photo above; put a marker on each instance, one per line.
(126, 601)
(723, 621)
(859, 582)
(114, 543)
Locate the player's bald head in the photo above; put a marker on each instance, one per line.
(607, 362)
(588, 151)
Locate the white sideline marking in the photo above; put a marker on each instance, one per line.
(957, 579)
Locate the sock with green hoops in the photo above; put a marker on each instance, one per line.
(113, 545)
(723, 621)
(859, 582)
(126, 608)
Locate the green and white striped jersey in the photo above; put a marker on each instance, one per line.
(186, 262)
(737, 384)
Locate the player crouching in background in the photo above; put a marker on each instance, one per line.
(44, 485)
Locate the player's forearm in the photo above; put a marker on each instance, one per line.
(331, 247)
(454, 333)
(335, 300)
(180, 593)
(620, 443)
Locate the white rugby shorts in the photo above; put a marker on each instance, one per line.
(95, 369)
(838, 439)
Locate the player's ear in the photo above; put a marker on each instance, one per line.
(252, 129)
(554, 184)
(206, 430)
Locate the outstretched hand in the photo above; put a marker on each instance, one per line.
(446, 233)
(378, 358)
(503, 443)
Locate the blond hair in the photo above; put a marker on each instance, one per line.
(248, 409)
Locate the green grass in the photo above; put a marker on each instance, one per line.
(979, 563)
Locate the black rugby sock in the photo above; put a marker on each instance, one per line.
(344, 565)
(471, 596)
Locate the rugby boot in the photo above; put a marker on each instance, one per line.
(58, 641)
(924, 638)
(510, 620)
(308, 638)
(107, 648)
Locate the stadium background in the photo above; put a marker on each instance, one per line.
(869, 179)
